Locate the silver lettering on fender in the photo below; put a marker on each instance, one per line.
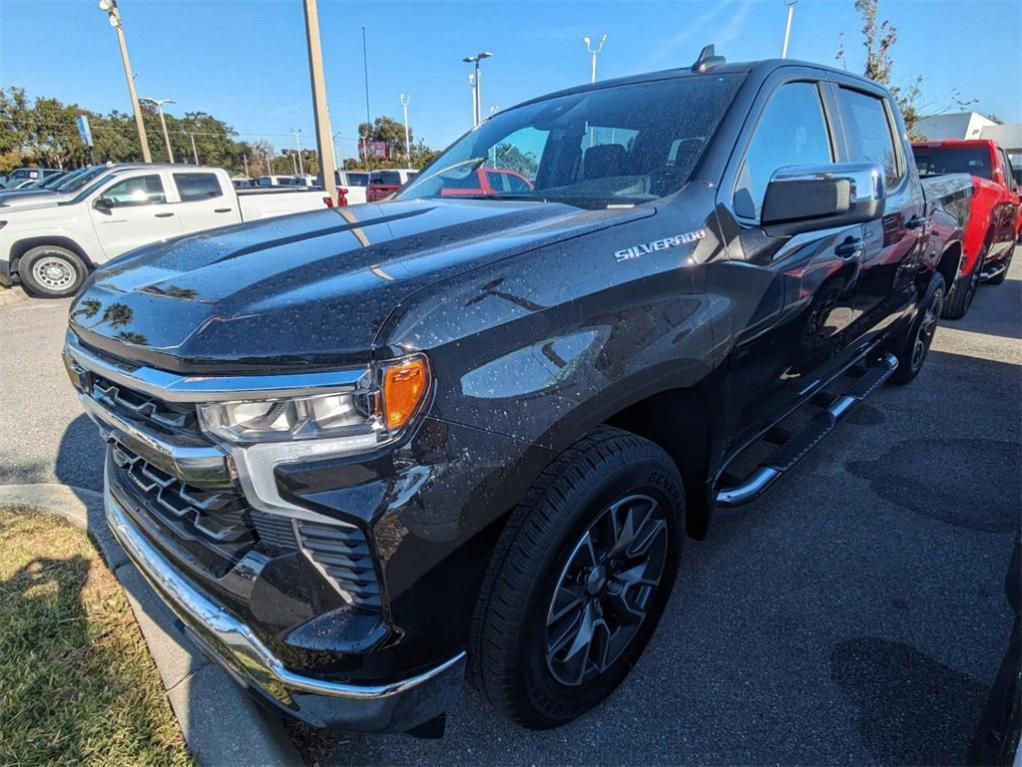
(638, 251)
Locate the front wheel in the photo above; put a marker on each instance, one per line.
(50, 271)
(579, 579)
(917, 342)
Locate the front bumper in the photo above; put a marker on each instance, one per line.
(392, 706)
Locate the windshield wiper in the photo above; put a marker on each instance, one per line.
(507, 196)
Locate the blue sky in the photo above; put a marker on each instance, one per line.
(245, 62)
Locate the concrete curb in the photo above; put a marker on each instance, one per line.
(12, 296)
(219, 721)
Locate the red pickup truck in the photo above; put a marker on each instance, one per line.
(996, 220)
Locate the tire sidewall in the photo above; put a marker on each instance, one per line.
(559, 703)
(27, 264)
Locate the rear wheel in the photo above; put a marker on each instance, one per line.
(50, 271)
(579, 579)
(917, 343)
(1004, 273)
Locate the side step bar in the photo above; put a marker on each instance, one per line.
(787, 456)
(994, 271)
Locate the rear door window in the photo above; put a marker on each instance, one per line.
(869, 133)
(197, 186)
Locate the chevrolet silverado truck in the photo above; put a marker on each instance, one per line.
(367, 452)
(50, 247)
(995, 222)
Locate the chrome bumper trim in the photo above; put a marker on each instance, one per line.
(236, 644)
(180, 387)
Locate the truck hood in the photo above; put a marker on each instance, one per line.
(309, 290)
(32, 198)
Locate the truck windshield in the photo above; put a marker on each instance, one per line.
(623, 144)
(75, 181)
(936, 161)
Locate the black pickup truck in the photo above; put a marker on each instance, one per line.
(368, 451)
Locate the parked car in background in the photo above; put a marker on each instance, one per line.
(363, 456)
(19, 176)
(489, 181)
(383, 183)
(243, 182)
(355, 183)
(269, 181)
(996, 219)
(51, 249)
(52, 192)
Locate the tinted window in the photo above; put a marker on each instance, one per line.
(936, 161)
(1009, 171)
(593, 148)
(142, 190)
(869, 132)
(197, 186)
(389, 177)
(358, 179)
(791, 131)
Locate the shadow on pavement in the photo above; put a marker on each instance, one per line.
(911, 709)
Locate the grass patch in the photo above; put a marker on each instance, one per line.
(77, 683)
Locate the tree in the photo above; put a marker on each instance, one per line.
(878, 37)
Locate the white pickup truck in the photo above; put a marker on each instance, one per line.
(50, 248)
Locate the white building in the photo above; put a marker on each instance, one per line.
(972, 125)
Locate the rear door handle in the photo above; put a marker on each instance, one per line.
(915, 222)
(223, 210)
(850, 248)
(164, 215)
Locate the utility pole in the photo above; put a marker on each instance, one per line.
(478, 88)
(114, 15)
(300, 170)
(589, 49)
(369, 120)
(195, 152)
(324, 141)
(405, 101)
(163, 121)
(790, 5)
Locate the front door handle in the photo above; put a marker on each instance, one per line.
(164, 215)
(223, 210)
(850, 248)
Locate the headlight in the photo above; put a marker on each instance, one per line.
(373, 413)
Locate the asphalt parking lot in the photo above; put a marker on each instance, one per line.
(855, 614)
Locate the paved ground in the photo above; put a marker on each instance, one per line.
(855, 614)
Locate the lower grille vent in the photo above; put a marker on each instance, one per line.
(343, 554)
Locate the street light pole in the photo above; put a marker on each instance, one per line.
(790, 5)
(478, 86)
(324, 141)
(195, 152)
(114, 15)
(472, 86)
(298, 144)
(405, 101)
(163, 121)
(589, 49)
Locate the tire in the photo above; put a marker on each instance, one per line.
(964, 291)
(916, 344)
(558, 539)
(50, 271)
(1007, 265)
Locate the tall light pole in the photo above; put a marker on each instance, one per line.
(163, 121)
(114, 15)
(790, 5)
(369, 120)
(592, 52)
(478, 83)
(472, 85)
(195, 152)
(324, 141)
(405, 101)
(298, 144)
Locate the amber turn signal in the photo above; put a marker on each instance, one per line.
(404, 385)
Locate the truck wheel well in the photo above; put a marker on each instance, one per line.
(950, 261)
(21, 247)
(679, 421)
